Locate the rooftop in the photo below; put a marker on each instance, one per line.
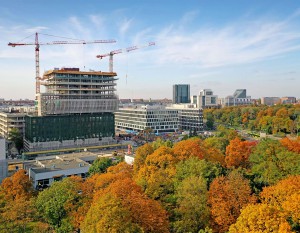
(77, 71)
(61, 162)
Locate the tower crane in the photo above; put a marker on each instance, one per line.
(37, 52)
(112, 53)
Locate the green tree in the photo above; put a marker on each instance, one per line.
(16, 137)
(160, 142)
(217, 142)
(100, 165)
(197, 167)
(54, 204)
(209, 121)
(272, 162)
(192, 212)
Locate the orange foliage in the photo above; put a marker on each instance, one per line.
(238, 152)
(92, 185)
(291, 145)
(155, 176)
(285, 196)
(147, 213)
(187, 148)
(140, 156)
(214, 155)
(227, 196)
(17, 186)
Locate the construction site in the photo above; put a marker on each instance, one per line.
(76, 110)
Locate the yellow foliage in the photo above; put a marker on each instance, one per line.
(260, 218)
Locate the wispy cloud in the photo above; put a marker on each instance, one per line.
(238, 43)
(124, 26)
(97, 20)
(35, 29)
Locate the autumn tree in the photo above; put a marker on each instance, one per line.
(17, 186)
(285, 196)
(188, 148)
(260, 218)
(140, 156)
(271, 162)
(227, 196)
(237, 153)
(291, 145)
(156, 175)
(17, 212)
(126, 209)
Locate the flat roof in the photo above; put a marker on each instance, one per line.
(59, 163)
(79, 72)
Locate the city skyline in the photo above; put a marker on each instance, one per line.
(251, 45)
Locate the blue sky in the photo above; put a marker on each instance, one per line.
(221, 45)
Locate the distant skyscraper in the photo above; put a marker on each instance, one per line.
(181, 93)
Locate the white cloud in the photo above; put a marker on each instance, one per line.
(124, 26)
(98, 21)
(241, 42)
(35, 29)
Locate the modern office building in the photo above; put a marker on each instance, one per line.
(137, 118)
(238, 98)
(270, 100)
(76, 110)
(205, 99)
(10, 120)
(189, 117)
(181, 93)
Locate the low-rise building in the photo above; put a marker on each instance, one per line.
(45, 170)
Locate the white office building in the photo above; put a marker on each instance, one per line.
(205, 99)
(137, 118)
(189, 117)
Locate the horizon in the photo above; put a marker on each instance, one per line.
(223, 47)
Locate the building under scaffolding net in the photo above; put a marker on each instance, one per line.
(76, 109)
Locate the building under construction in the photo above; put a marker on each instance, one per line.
(76, 110)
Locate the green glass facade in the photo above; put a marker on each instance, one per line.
(69, 127)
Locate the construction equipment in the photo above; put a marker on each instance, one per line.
(37, 51)
(112, 53)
